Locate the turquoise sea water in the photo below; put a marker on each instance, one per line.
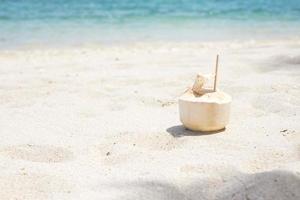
(79, 22)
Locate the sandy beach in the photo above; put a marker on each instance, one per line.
(102, 122)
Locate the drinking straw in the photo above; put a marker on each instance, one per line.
(216, 73)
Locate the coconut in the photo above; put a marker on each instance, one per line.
(207, 112)
(204, 109)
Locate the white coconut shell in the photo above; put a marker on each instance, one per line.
(207, 112)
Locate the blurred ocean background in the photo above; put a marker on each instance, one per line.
(25, 23)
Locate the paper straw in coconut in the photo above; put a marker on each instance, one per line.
(216, 73)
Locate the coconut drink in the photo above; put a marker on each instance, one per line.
(204, 109)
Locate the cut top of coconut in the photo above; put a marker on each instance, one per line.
(207, 95)
(200, 81)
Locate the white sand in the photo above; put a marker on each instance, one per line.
(102, 123)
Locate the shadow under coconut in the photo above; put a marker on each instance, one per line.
(270, 185)
(180, 131)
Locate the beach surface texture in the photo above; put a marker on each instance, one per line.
(103, 122)
(89, 95)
